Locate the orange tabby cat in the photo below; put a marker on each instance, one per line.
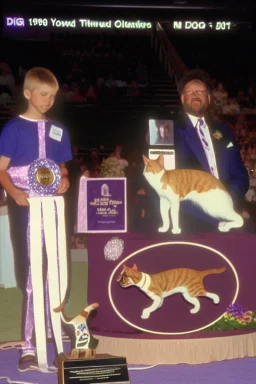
(200, 187)
(188, 282)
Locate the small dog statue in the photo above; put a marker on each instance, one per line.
(83, 344)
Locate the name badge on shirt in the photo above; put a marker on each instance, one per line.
(56, 133)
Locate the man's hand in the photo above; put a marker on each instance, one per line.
(64, 185)
(20, 197)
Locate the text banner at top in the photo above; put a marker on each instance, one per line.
(11, 22)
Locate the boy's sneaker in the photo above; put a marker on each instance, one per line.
(28, 362)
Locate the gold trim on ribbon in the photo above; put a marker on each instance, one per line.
(45, 176)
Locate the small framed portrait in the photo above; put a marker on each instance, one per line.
(161, 132)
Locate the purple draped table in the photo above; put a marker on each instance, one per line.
(120, 309)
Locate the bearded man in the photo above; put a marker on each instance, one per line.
(205, 144)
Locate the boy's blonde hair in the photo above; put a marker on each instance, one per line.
(39, 75)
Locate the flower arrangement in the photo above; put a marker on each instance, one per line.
(111, 168)
(236, 317)
(217, 135)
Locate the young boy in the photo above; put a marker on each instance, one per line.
(19, 147)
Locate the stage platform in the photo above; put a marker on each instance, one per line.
(172, 335)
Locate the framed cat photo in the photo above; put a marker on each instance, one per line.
(161, 132)
(102, 205)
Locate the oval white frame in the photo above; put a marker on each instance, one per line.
(159, 245)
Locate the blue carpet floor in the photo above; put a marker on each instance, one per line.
(240, 371)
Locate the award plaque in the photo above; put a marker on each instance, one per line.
(105, 369)
(44, 177)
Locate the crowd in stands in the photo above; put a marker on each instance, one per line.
(243, 102)
(91, 70)
(240, 113)
(96, 70)
(7, 84)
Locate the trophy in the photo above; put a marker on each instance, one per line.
(83, 344)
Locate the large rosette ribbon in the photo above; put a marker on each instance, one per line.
(41, 180)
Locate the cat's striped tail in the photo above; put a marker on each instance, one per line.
(212, 271)
(88, 309)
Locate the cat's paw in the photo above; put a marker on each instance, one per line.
(215, 299)
(145, 314)
(176, 231)
(224, 226)
(162, 229)
(194, 310)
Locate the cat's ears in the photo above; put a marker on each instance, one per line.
(160, 160)
(146, 160)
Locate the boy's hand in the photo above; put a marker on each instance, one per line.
(64, 185)
(20, 197)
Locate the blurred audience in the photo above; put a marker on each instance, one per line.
(220, 96)
(7, 79)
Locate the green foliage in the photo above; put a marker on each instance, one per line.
(230, 322)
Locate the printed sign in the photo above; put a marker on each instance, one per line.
(102, 205)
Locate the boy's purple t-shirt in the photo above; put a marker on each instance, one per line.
(19, 142)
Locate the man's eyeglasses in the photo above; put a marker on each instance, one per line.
(198, 92)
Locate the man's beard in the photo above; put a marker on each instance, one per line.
(198, 110)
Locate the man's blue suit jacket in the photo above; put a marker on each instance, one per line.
(190, 154)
